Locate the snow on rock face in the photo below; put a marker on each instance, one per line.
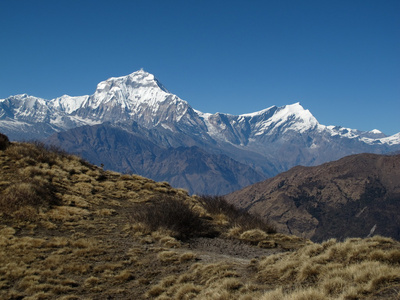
(69, 104)
(25, 108)
(142, 98)
(138, 96)
(290, 117)
(271, 121)
(128, 91)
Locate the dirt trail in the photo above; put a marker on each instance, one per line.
(216, 249)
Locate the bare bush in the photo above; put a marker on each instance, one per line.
(4, 142)
(172, 214)
(243, 219)
(29, 193)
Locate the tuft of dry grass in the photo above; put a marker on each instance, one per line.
(23, 199)
(333, 270)
(201, 281)
(254, 235)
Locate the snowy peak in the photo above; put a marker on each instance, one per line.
(25, 108)
(243, 129)
(140, 97)
(281, 119)
(136, 80)
(127, 91)
(145, 79)
(293, 117)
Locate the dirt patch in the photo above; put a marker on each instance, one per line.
(229, 248)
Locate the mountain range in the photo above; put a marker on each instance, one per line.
(133, 124)
(356, 196)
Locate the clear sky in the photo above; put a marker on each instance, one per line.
(339, 59)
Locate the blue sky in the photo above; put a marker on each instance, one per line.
(339, 59)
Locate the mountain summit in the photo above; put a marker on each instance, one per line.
(139, 107)
(136, 97)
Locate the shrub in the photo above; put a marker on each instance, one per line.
(32, 152)
(172, 214)
(217, 205)
(4, 142)
(32, 192)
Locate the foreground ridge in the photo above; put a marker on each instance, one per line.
(70, 230)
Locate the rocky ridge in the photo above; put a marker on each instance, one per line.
(356, 196)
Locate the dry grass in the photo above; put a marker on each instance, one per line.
(336, 270)
(253, 235)
(23, 199)
(70, 230)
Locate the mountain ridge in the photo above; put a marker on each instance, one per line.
(140, 87)
(344, 198)
(269, 141)
(137, 150)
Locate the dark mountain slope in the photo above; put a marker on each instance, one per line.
(352, 197)
(134, 150)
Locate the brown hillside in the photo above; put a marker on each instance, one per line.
(355, 196)
(69, 230)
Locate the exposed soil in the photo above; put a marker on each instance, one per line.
(219, 249)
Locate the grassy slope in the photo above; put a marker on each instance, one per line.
(69, 230)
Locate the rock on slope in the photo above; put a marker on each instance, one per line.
(353, 197)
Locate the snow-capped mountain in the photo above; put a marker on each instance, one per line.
(270, 141)
(140, 97)
(137, 97)
(275, 121)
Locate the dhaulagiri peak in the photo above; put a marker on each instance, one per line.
(140, 78)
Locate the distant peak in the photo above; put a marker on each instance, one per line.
(376, 131)
(136, 79)
(140, 72)
(295, 105)
(294, 108)
(140, 75)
